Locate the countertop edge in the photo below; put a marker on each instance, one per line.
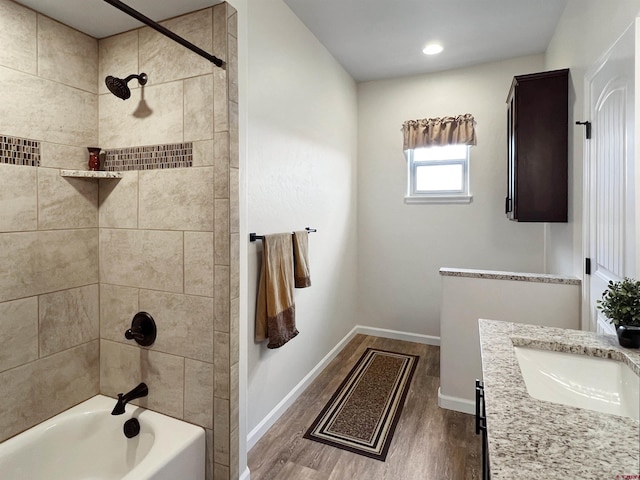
(517, 276)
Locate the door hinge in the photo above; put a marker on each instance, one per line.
(587, 266)
(587, 130)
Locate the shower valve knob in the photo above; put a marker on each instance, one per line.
(143, 329)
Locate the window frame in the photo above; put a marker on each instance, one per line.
(437, 196)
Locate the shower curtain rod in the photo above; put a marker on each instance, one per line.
(165, 31)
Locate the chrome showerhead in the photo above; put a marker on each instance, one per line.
(119, 87)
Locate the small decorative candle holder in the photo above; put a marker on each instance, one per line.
(94, 158)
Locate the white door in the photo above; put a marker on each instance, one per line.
(609, 175)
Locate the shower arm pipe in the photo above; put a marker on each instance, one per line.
(254, 236)
(165, 31)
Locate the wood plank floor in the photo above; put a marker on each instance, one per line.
(430, 443)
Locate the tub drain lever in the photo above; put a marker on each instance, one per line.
(143, 329)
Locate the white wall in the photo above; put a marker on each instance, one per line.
(465, 299)
(301, 171)
(401, 247)
(584, 33)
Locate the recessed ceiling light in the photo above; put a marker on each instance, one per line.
(432, 49)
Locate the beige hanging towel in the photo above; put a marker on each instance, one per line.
(301, 259)
(275, 309)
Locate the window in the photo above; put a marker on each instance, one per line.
(438, 174)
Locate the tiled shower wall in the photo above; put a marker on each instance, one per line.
(48, 224)
(167, 240)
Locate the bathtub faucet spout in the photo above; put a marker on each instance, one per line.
(124, 398)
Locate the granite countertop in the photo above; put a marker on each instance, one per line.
(530, 438)
(518, 276)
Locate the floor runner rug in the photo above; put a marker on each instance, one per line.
(362, 415)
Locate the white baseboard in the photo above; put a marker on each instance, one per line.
(398, 335)
(455, 403)
(246, 475)
(273, 416)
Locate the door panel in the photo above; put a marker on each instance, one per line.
(609, 193)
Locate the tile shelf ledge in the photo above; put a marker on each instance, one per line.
(90, 174)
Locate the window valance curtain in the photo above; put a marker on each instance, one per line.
(432, 132)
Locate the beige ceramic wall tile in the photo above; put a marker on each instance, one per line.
(221, 472)
(221, 158)
(118, 202)
(221, 244)
(203, 153)
(66, 202)
(66, 259)
(18, 275)
(184, 322)
(40, 262)
(234, 401)
(221, 306)
(234, 197)
(198, 263)
(63, 156)
(220, 87)
(198, 108)
(198, 392)
(129, 123)
(118, 305)
(234, 454)
(18, 196)
(232, 24)
(234, 154)
(177, 199)
(118, 57)
(142, 258)
(209, 472)
(234, 136)
(68, 318)
(234, 335)
(122, 367)
(220, 31)
(165, 60)
(220, 101)
(44, 110)
(232, 67)
(221, 365)
(221, 431)
(19, 332)
(234, 284)
(66, 55)
(18, 37)
(38, 390)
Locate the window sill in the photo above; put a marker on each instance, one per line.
(438, 199)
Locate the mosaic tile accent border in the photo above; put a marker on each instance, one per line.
(19, 151)
(150, 157)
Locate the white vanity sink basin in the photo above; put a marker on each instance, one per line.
(594, 383)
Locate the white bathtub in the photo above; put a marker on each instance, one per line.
(86, 442)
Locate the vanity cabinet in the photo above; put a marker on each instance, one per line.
(537, 147)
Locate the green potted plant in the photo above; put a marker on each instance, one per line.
(621, 304)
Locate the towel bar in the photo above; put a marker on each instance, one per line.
(253, 236)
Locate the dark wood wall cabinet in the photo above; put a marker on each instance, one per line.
(537, 147)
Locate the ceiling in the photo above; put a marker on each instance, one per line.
(372, 39)
(375, 39)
